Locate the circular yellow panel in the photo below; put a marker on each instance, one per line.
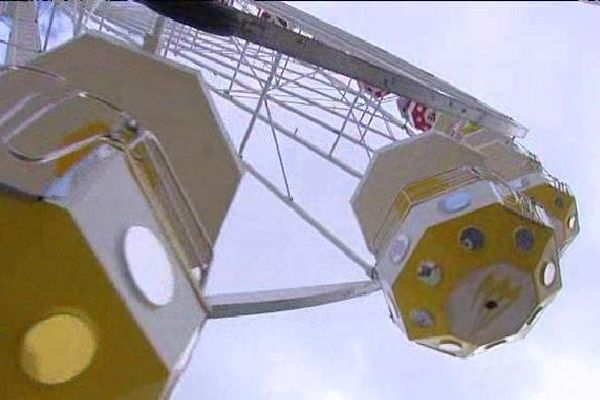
(58, 349)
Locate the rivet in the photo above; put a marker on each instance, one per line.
(421, 318)
(524, 239)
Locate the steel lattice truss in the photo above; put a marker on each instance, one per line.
(258, 81)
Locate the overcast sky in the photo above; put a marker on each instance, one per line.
(538, 62)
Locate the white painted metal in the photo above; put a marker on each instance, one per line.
(24, 41)
(368, 268)
(238, 304)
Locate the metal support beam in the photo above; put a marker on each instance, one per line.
(334, 240)
(335, 161)
(24, 41)
(280, 103)
(49, 29)
(209, 54)
(261, 101)
(103, 20)
(80, 16)
(292, 135)
(153, 41)
(237, 67)
(341, 131)
(425, 89)
(266, 301)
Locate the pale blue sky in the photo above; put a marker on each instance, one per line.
(538, 62)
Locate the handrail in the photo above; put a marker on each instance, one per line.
(519, 202)
(534, 161)
(127, 137)
(420, 191)
(537, 166)
(436, 185)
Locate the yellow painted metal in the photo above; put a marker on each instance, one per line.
(557, 203)
(561, 206)
(47, 268)
(523, 205)
(511, 161)
(440, 245)
(87, 131)
(452, 126)
(435, 185)
(58, 349)
(470, 127)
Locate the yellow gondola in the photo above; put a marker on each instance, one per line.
(465, 262)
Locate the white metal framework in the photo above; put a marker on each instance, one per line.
(287, 98)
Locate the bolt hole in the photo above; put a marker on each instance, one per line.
(491, 304)
(472, 238)
(524, 239)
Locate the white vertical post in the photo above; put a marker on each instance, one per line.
(24, 40)
(49, 29)
(152, 41)
(80, 6)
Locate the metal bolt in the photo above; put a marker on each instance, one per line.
(421, 318)
(429, 273)
(132, 124)
(472, 238)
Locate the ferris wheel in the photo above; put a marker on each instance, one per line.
(156, 109)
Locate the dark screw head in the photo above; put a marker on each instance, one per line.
(491, 304)
(472, 238)
(524, 239)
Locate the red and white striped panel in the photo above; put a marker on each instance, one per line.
(418, 115)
